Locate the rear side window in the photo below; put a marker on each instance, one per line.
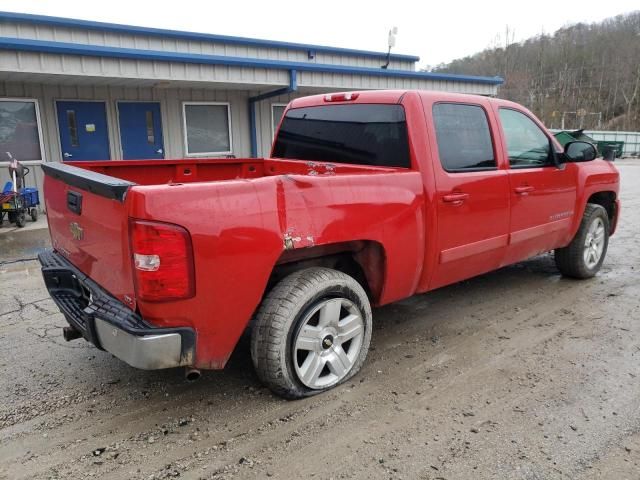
(527, 145)
(363, 134)
(463, 136)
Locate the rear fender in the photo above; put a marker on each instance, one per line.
(363, 260)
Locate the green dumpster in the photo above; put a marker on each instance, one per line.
(564, 138)
(604, 146)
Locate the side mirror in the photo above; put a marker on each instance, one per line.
(580, 152)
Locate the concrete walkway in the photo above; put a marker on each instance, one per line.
(7, 227)
(22, 243)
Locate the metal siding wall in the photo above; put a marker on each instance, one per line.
(170, 105)
(362, 82)
(154, 72)
(146, 42)
(170, 100)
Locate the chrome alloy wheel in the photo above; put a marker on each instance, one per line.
(328, 342)
(594, 243)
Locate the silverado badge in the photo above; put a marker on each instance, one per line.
(76, 231)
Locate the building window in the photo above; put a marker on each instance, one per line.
(207, 128)
(20, 130)
(151, 137)
(277, 110)
(72, 124)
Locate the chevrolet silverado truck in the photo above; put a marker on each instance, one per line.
(367, 198)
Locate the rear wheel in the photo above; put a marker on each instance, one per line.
(583, 257)
(34, 214)
(312, 332)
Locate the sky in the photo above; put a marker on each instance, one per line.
(437, 32)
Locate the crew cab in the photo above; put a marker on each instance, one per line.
(367, 198)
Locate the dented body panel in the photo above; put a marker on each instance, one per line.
(251, 224)
(247, 217)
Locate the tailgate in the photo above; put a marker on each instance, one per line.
(88, 222)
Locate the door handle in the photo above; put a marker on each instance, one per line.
(524, 189)
(159, 150)
(455, 198)
(67, 155)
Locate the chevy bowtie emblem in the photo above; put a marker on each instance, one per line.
(76, 231)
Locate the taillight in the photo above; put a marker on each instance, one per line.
(341, 97)
(162, 261)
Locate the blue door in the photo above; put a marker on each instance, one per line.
(140, 130)
(83, 130)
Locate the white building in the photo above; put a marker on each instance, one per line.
(80, 90)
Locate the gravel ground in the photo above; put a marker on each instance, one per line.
(516, 374)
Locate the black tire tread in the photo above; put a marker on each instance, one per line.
(274, 319)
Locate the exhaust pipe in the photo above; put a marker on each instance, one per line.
(70, 333)
(192, 374)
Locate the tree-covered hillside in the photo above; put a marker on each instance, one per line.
(590, 73)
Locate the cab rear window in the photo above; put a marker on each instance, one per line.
(363, 134)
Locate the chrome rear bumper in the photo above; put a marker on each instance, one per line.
(109, 324)
(148, 352)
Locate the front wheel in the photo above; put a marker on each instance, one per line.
(312, 332)
(583, 257)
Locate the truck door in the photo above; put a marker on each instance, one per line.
(543, 196)
(472, 192)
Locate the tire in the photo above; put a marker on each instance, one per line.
(21, 220)
(311, 333)
(583, 257)
(34, 214)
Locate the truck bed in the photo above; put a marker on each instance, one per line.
(161, 172)
(244, 216)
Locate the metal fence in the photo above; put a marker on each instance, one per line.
(631, 140)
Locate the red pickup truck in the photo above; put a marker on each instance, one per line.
(368, 198)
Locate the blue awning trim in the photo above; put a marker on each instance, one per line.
(133, 30)
(63, 48)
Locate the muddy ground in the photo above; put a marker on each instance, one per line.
(516, 374)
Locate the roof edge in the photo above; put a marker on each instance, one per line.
(63, 48)
(179, 34)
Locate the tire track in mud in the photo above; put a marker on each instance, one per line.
(454, 343)
(400, 421)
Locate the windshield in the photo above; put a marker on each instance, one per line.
(364, 134)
